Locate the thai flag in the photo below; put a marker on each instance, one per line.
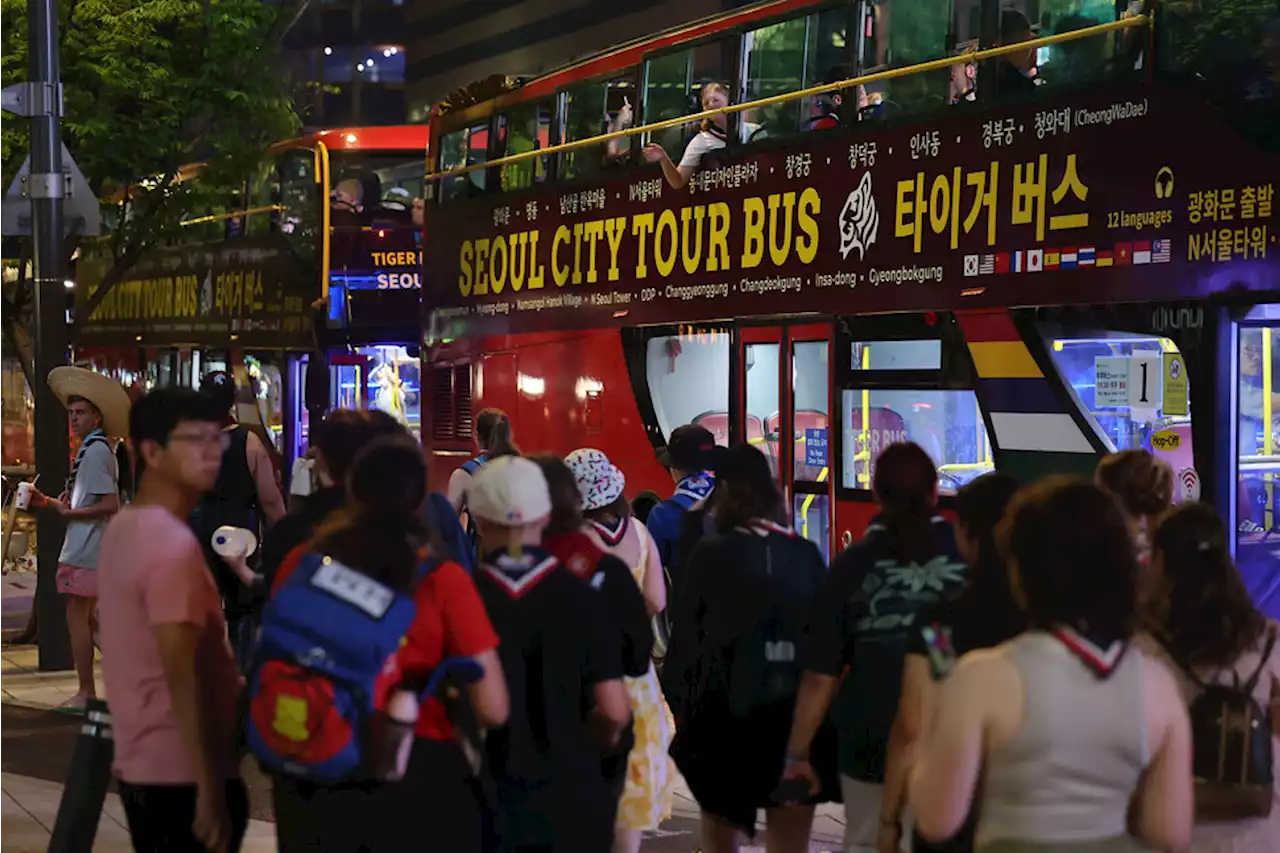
(1142, 252)
(1068, 260)
(1087, 256)
(1160, 251)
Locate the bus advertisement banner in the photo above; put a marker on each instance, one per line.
(1111, 196)
(254, 292)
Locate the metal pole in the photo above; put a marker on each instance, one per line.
(47, 185)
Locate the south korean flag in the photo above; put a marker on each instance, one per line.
(970, 265)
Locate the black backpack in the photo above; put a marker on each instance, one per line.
(1231, 747)
(764, 668)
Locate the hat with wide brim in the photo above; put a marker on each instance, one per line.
(105, 393)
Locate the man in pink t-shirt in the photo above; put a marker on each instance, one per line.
(171, 680)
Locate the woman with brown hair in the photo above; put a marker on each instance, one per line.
(1080, 740)
(1144, 486)
(732, 672)
(493, 439)
(1207, 627)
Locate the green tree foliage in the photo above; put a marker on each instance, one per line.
(151, 86)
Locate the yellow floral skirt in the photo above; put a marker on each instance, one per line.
(646, 800)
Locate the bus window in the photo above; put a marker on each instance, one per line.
(264, 192)
(688, 376)
(793, 55)
(1071, 62)
(590, 110)
(526, 128)
(947, 423)
(672, 85)
(895, 33)
(896, 355)
(811, 460)
(1258, 435)
(1120, 381)
(465, 147)
(299, 196)
(763, 411)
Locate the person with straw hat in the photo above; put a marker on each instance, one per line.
(98, 409)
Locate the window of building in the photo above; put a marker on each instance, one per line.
(466, 147)
(590, 110)
(792, 55)
(672, 86)
(526, 127)
(338, 64)
(381, 64)
(688, 376)
(1132, 387)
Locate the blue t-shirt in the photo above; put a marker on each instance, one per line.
(862, 622)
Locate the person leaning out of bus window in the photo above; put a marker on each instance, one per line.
(712, 136)
(963, 87)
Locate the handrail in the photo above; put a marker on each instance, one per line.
(235, 214)
(888, 74)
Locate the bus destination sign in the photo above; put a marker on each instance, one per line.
(1054, 201)
(253, 292)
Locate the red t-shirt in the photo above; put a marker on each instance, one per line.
(451, 622)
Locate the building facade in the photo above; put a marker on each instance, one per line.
(352, 54)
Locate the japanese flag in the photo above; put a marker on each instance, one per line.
(1035, 260)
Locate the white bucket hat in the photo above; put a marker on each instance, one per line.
(511, 491)
(106, 394)
(599, 481)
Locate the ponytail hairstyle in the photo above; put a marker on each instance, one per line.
(745, 489)
(1203, 613)
(906, 485)
(383, 528)
(708, 125)
(493, 434)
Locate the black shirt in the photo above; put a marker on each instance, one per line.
(556, 646)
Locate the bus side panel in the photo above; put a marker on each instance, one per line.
(562, 394)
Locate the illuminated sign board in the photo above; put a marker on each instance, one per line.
(1079, 200)
(253, 291)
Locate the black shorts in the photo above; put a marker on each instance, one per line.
(160, 816)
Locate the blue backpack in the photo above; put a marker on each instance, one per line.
(313, 689)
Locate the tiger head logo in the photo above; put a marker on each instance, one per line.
(859, 220)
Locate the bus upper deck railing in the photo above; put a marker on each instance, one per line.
(874, 77)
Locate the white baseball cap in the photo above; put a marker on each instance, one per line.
(511, 491)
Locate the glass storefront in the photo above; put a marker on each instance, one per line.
(1258, 451)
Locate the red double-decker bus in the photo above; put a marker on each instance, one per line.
(304, 282)
(1021, 259)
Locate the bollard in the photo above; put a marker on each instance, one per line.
(87, 781)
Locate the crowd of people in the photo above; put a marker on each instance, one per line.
(1073, 666)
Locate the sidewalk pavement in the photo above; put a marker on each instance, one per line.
(31, 805)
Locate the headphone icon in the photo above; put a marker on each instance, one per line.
(1164, 182)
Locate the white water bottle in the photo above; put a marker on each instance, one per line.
(233, 542)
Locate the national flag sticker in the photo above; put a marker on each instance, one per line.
(1019, 262)
(987, 265)
(1035, 260)
(970, 265)
(1160, 251)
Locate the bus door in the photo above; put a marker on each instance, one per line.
(1256, 497)
(782, 407)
